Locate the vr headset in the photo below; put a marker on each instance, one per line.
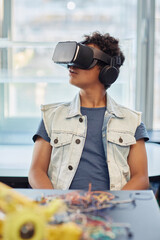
(79, 55)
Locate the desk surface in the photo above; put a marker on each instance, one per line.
(154, 136)
(143, 217)
(153, 155)
(15, 160)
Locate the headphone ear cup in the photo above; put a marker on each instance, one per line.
(108, 75)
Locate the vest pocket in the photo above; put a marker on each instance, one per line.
(119, 144)
(60, 139)
(121, 138)
(60, 154)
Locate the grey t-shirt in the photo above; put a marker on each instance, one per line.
(92, 167)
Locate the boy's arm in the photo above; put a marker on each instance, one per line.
(38, 177)
(137, 161)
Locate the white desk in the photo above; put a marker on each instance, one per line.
(15, 160)
(153, 154)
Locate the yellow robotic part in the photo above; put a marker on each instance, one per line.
(56, 205)
(1, 228)
(65, 231)
(25, 219)
(23, 224)
(10, 199)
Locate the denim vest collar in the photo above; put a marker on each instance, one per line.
(74, 108)
(112, 107)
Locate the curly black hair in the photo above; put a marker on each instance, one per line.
(107, 44)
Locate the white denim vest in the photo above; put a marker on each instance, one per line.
(67, 128)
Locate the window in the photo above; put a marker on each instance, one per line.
(156, 119)
(29, 78)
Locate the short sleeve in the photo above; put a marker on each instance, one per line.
(141, 132)
(41, 131)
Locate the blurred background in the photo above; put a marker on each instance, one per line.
(29, 31)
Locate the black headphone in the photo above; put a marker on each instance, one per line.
(109, 73)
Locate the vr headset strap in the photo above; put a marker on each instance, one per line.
(104, 57)
(99, 55)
